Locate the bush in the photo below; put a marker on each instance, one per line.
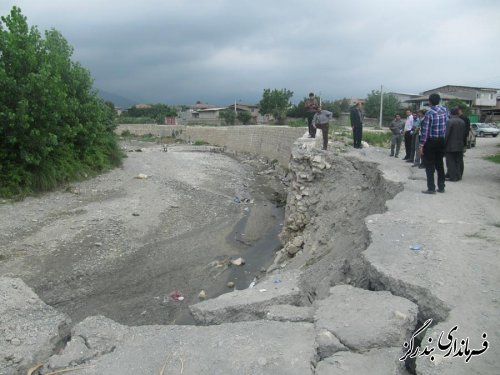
(54, 128)
(381, 139)
(297, 122)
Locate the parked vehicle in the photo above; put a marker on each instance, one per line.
(483, 129)
(471, 138)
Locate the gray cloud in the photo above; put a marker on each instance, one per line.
(179, 51)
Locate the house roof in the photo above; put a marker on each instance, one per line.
(215, 109)
(426, 98)
(465, 87)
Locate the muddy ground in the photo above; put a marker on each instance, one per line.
(118, 245)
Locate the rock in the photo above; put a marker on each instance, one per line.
(328, 344)
(202, 295)
(298, 241)
(32, 329)
(142, 176)
(291, 249)
(238, 262)
(230, 284)
(363, 319)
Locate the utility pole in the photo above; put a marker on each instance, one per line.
(381, 106)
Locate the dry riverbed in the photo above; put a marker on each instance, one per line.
(121, 243)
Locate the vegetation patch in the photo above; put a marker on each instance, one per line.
(494, 158)
(54, 126)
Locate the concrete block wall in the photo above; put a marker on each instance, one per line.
(272, 142)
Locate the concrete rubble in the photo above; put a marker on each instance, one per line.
(30, 330)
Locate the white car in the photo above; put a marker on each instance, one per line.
(483, 130)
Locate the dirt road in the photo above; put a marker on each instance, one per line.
(119, 244)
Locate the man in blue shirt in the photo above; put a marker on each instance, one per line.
(432, 143)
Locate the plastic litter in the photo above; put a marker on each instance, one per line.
(176, 295)
(277, 279)
(416, 247)
(252, 284)
(236, 200)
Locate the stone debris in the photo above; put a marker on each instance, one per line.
(328, 344)
(30, 330)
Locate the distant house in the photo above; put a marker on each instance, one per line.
(200, 105)
(257, 118)
(142, 106)
(353, 101)
(422, 101)
(479, 97)
(404, 98)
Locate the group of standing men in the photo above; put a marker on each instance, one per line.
(318, 118)
(432, 136)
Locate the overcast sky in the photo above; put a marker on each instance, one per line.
(219, 51)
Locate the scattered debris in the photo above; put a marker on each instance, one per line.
(202, 295)
(238, 262)
(142, 176)
(252, 284)
(135, 214)
(176, 295)
(416, 247)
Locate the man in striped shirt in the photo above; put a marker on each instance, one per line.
(431, 143)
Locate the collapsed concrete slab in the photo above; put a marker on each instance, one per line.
(363, 320)
(289, 313)
(283, 348)
(252, 303)
(30, 330)
(374, 362)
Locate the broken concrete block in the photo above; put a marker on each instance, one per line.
(284, 348)
(375, 362)
(328, 344)
(289, 313)
(30, 330)
(252, 303)
(363, 319)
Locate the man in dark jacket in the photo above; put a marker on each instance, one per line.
(466, 135)
(454, 145)
(357, 125)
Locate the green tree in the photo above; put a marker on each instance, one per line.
(53, 127)
(244, 117)
(276, 103)
(391, 106)
(333, 107)
(228, 116)
(454, 103)
(158, 112)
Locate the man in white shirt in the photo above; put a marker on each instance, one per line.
(408, 131)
